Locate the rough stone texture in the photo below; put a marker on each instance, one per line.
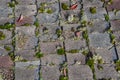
(107, 72)
(5, 62)
(50, 73)
(26, 2)
(118, 50)
(51, 32)
(50, 47)
(76, 58)
(97, 26)
(4, 2)
(5, 13)
(54, 59)
(8, 37)
(26, 71)
(114, 16)
(49, 18)
(107, 55)
(74, 44)
(28, 55)
(25, 37)
(115, 25)
(99, 40)
(117, 36)
(98, 15)
(80, 72)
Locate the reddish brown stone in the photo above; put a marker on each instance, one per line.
(115, 25)
(114, 5)
(5, 62)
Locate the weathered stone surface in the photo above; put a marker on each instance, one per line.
(98, 15)
(70, 30)
(74, 44)
(25, 10)
(52, 59)
(50, 73)
(92, 3)
(26, 2)
(76, 58)
(118, 51)
(8, 37)
(107, 72)
(80, 72)
(25, 38)
(107, 55)
(115, 25)
(114, 16)
(99, 40)
(117, 36)
(5, 13)
(27, 72)
(115, 5)
(44, 18)
(49, 34)
(4, 2)
(28, 55)
(97, 26)
(50, 47)
(6, 62)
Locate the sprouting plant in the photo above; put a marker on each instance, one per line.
(58, 32)
(12, 3)
(60, 51)
(39, 54)
(106, 17)
(85, 52)
(8, 48)
(64, 6)
(93, 10)
(36, 23)
(2, 35)
(63, 77)
(7, 26)
(117, 65)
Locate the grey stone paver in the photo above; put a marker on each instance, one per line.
(99, 40)
(115, 25)
(80, 72)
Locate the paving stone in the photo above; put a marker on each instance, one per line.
(76, 58)
(117, 36)
(49, 34)
(115, 25)
(98, 15)
(52, 59)
(106, 55)
(66, 17)
(107, 72)
(6, 62)
(50, 73)
(50, 47)
(5, 13)
(6, 74)
(118, 51)
(26, 71)
(115, 5)
(25, 38)
(8, 37)
(26, 2)
(25, 10)
(5, 49)
(69, 31)
(47, 17)
(27, 55)
(99, 40)
(97, 26)
(4, 2)
(114, 16)
(46, 1)
(80, 72)
(92, 3)
(74, 44)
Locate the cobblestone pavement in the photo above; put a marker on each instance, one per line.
(59, 40)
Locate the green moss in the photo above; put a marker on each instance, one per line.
(41, 10)
(36, 23)
(63, 78)
(7, 26)
(85, 52)
(8, 48)
(12, 55)
(106, 17)
(74, 51)
(12, 4)
(39, 54)
(84, 23)
(93, 10)
(90, 63)
(58, 32)
(49, 11)
(60, 51)
(117, 65)
(65, 6)
(2, 35)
